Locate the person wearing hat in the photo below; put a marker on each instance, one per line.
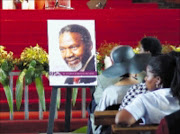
(148, 45)
(125, 63)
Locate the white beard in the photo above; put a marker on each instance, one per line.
(76, 68)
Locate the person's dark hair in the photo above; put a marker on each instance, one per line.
(167, 67)
(86, 37)
(125, 75)
(151, 44)
(175, 84)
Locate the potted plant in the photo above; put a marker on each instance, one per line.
(33, 63)
(6, 65)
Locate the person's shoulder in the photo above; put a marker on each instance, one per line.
(157, 94)
(101, 77)
(117, 86)
(110, 87)
(138, 87)
(161, 91)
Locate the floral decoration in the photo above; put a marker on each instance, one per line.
(103, 50)
(33, 63)
(6, 66)
(166, 48)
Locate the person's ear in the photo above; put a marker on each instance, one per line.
(158, 82)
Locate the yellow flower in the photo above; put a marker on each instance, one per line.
(178, 49)
(34, 53)
(175, 48)
(4, 55)
(136, 50)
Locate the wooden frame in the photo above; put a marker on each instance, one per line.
(105, 117)
(116, 129)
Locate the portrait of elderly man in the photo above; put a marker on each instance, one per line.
(75, 46)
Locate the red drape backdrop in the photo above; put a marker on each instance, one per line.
(124, 24)
(22, 28)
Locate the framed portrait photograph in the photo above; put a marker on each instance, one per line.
(72, 53)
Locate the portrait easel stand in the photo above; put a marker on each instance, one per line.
(52, 108)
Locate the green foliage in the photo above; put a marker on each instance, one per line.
(4, 80)
(19, 88)
(6, 66)
(74, 96)
(9, 97)
(81, 130)
(33, 62)
(40, 90)
(58, 98)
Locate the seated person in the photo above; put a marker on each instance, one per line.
(163, 78)
(132, 93)
(125, 62)
(170, 123)
(148, 45)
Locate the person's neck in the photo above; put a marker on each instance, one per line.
(127, 81)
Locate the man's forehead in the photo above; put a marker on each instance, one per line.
(67, 36)
(69, 39)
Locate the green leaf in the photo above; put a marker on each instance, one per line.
(81, 130)
(3, 77)
(29, 75)
(32, 63)
(74, 96)
(37, 73)
(40, 90)
(5, 66)
(46, 74)
(19, 89)
(8, 93)
(58, 98)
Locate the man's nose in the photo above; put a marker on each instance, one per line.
(69, 53)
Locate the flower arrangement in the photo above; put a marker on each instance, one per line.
(166, 48)
(6, 66)
(33, 63)
(104, 50)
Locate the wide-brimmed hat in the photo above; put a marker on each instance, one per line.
(126, 61)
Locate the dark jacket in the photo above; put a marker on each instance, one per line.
(90, 67)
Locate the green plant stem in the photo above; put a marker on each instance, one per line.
(19, 88)
(8, 93)
(74, 96)
(40, 90)
(58, 98)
